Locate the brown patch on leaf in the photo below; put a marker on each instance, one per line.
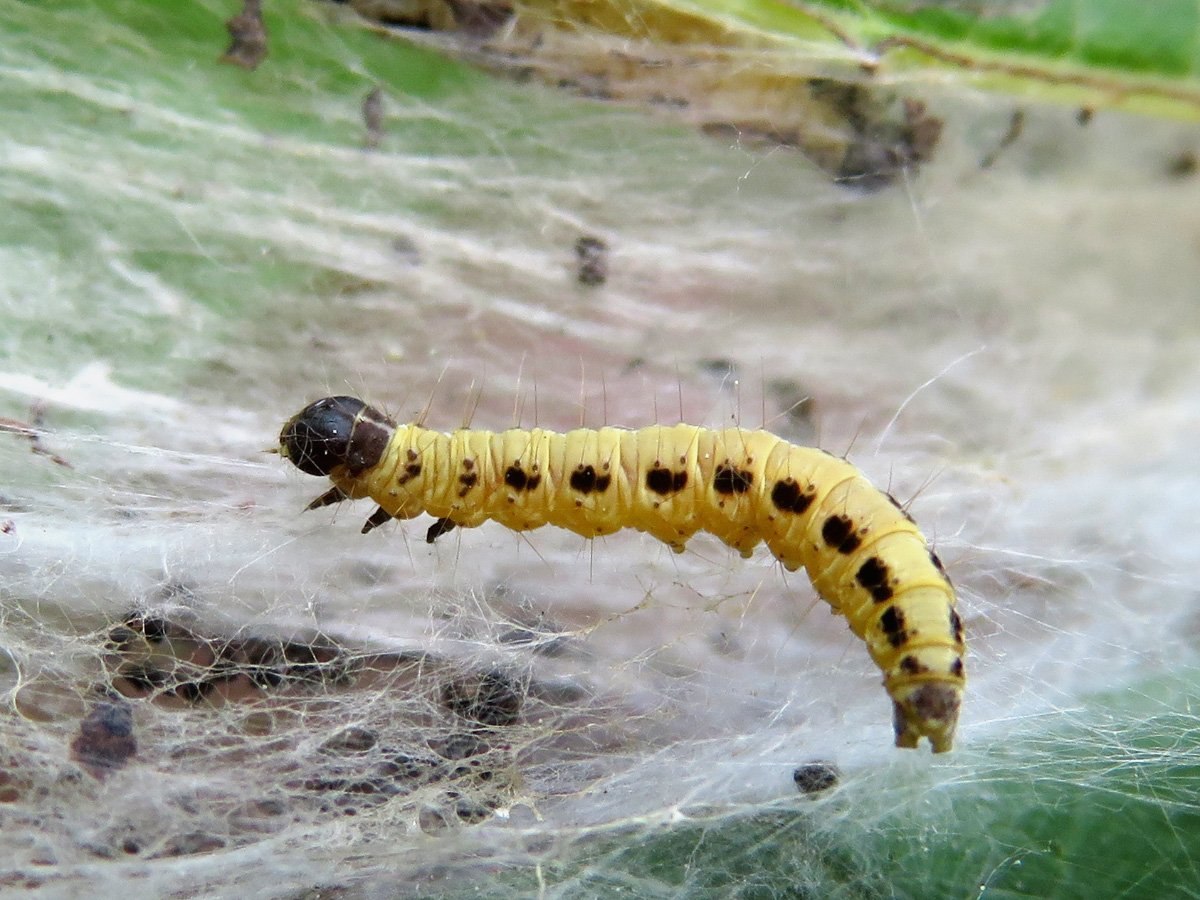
(105, 741)
(467, 17)
(248, 37)
(372, 111)
(591, 255)
(34, 430)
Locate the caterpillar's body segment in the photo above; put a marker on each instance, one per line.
(864, 554)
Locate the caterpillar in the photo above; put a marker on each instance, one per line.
(863, 552)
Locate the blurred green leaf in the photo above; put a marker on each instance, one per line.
(1132, 54)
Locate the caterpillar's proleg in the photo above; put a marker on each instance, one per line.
(864, 554)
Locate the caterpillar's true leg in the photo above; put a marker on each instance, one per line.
(331, 496)
(377, 518)
(437, 529)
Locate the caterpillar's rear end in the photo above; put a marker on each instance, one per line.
(864, 554)
(865, 557)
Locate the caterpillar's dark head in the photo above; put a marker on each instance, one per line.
(334, 432)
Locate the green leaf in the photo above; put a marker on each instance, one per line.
(1129, 54)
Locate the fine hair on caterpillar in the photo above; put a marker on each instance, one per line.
(863, 552)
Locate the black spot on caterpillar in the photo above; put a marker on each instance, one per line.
(865, 556)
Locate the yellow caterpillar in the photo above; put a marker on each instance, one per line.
(864, 554)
